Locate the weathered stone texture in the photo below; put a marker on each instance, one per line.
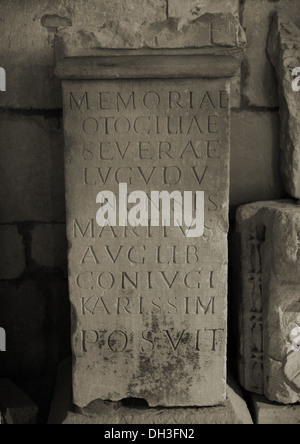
(26, 47)
(269, 234)
(28, 34)
(142, 351)
(62, 398)
(150, 335)
(254, 157)
(31, 169)
(36, 318)
(259, 82)
(15, 406)
(192, 9)
(12, 260)
(266, 413)
(284, 51)
(59, 318)
(233, 412)
(212, 30)
(49, 246)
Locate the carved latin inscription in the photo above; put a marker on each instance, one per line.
(149, 303)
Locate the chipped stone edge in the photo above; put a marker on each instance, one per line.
(245, 215)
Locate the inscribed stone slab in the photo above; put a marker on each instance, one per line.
(149, 300)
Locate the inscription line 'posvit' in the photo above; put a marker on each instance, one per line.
(160, 214)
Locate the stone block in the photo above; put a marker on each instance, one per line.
(268, 413)
(49, 246)
(31, 169)
(269, 311)
(62, 399)
(234, 411)
(258, 82)
(108, 413)
(255, 164)
(16, 407)
(12, 260)
(131, 282)
(284, 51)
(36, 318)
(192, 9)
(260, 87)
(26, 46)
(23, 317)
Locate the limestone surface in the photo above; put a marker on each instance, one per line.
(268, 413)
(284, 51)
(15, 406)
(27, 35)
(254, 160)
(269, 243)
(233, 412)
(195, 8)
(49, 246)
(149, 305)
(259, 80)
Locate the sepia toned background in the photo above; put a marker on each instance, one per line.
(33, 266)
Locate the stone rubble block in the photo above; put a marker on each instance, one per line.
(234, 410)
(15, 406)
(269, 304)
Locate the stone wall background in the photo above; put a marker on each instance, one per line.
(33, 293)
